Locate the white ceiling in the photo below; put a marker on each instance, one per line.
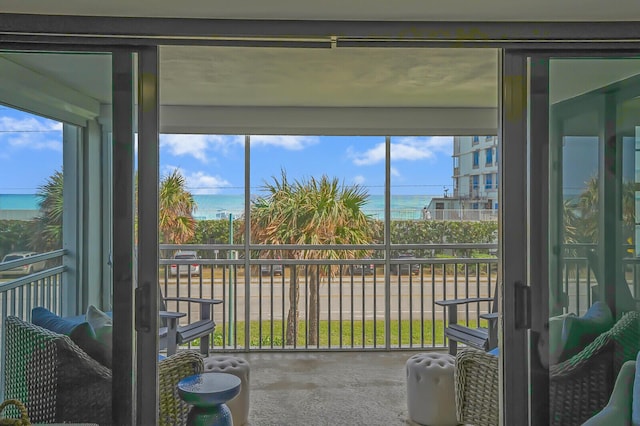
(265, 77)
(419, 10)
(343, 77)
(206, 89)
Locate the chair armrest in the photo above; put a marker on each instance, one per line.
(173, 410)
(172, 315)
(194, 300)
(205, 304)
(618, 410)
(476, 387)
(490, 316)
(83, 387)
(455, 302)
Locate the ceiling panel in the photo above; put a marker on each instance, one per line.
(421, 10)
(342, 77)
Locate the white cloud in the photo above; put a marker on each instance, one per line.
(405, 148)
(194, 145)
(31, 124)
(293, 143)
(223, 142)
(359, 180)
(394, 172)
(371, 156)
(199, 182)
(198, 146)
(31, 133)
(37, 141)
(201, 147)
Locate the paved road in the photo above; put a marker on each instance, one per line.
(363, 298)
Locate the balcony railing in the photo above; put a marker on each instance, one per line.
(484, 215)
(19, 294)
(341, 304)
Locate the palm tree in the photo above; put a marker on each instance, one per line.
(582, 218)
(177, 224)
(313, 211)
(48, 232)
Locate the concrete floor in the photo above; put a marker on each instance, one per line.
(328, 388)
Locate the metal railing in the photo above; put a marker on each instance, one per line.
(339, 305)
(483, 215)
(20, 294)
(578, 280)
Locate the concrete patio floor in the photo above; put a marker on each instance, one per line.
(328, 388)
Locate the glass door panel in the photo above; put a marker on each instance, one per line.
(62, 168)
(592, 232)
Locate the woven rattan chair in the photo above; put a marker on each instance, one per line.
(476, 380)
(578, 387)
(58, 382)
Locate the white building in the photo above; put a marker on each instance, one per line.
(475, 181)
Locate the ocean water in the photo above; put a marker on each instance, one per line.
(402, 206)
(220, 206)
(19, 202)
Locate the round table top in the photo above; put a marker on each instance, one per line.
(209, 388)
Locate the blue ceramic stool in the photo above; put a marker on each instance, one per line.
(208, 393)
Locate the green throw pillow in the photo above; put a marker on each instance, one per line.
(578, 332)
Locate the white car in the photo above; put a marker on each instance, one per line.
(193, 269)
(25, 269)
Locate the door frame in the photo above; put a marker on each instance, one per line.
(512, 237)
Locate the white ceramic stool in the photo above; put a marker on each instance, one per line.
(430, 389)
(239, 367)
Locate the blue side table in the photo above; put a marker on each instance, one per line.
(208, 392)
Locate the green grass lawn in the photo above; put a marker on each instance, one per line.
(403, 334)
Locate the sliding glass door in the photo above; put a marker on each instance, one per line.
(584, 171)
(68, 161)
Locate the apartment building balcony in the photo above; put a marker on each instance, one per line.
(368, 321)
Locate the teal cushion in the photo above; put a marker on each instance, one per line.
(578, 332)
(102, 326)
(81, 333)
(44, 318)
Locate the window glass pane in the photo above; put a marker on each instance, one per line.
(489, 156)
(421, 171)
(31, 179)
(593, 179)
(55, 193)
(202, 201)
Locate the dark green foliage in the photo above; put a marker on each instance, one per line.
(402, 232)
(48, 233)
(15, 235)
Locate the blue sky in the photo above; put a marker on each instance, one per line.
(31, 150)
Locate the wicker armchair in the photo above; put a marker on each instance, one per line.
(578, 387)
(58, 382)
(476, 380)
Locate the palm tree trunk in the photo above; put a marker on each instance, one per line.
(292, 315)
(313, 306)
